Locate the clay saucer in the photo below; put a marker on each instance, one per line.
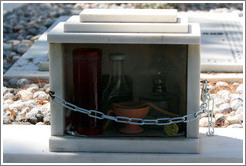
(131, 110)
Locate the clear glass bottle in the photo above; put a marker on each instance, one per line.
(118, 88)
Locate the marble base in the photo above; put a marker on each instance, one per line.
(125, 145)
(30, 144)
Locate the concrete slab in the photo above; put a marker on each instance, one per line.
(221, 46)
(229, 77)
(30, 144)
(221, 41)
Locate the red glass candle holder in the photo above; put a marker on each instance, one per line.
(87, 89)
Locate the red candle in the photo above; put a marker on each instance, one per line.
(87, 89)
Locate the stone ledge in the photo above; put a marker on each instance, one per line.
(229, 77)
(30, 144)
(125, 145)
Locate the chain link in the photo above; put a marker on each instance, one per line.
(206, 106)
(122, 119)
(210, 118)
(138, 121)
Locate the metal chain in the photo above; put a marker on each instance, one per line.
(206, 102)
(138, 121)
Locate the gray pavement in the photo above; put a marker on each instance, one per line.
(221, 47)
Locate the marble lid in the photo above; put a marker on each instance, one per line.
(128, 15)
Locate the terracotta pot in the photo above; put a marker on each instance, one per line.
(131, 110)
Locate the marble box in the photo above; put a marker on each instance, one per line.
(180, 56)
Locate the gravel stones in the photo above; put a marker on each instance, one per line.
(23, 82)
(35, 115)
(21, 105)
(222, 84)
(16, 58)
(11, 55)
(228, 110)
(46, 119)
(236, 97)
(239, 117)
(8, 101)
(42, 29)
(32, 120)
(13, 90)
(225, 108)
(8, 96)
(9, 90)
(40, 95)
(48, 22)
(40, 117)
(220, 119)
(7, 46)
(33, 87)
(14, 42)
(239, 110)
(24, 111)
(5, 90)
(5, 108)
(13, 82)
(25, 95)
(5, 83)
(34, 112)
(28, 108)
(46, 88)
(20, 118)
(224, 95)
(235, 104)
(233, 120)
(5, 63)
(7, 120)
(32, 31)
(21, 48)
(19, 27)
(30, 103)
(45, 109)
(203, 122)
(240, 89)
